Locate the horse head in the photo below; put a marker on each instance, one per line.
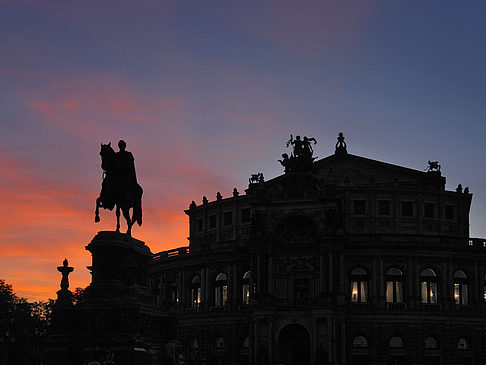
(107, 154)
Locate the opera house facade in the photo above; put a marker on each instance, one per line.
(342, 260)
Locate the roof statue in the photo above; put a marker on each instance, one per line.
(340, 144)
(256, 178)
(119, 188)
(433, 166)
(301, 158)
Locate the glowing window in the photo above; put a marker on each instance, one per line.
(360, 342)
(428, 285)
(195, 291)
(394, 285)
(359, 285)
(221, 289)
(463, 344)
(396, 342)
(219, 343)
(460, 288)
(246, 287)
(431, 343)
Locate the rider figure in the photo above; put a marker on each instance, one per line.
(126, 169)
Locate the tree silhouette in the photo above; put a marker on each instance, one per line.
(23, 327)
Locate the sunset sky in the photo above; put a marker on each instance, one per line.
(206, 93)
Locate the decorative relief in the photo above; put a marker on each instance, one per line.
(296, 264)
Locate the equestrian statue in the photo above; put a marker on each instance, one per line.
(119, 188)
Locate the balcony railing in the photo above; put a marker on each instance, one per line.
(396, 306)
(171, 253)
(359, 306)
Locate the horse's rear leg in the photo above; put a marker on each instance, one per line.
(126, 214)
(117, 218)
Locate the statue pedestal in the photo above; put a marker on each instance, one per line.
(119, 263)
(116, 318)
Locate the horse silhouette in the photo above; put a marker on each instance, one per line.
(118, 191)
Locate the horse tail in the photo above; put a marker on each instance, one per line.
(137, 207)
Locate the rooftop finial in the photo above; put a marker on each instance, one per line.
(340, 144)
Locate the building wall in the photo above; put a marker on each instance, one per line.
(319, 246)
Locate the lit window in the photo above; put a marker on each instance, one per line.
(463, 344)
(195, 291)
(396, 342)
(431, 343)
(246, 288)
(394, 285)
(359, 285)
(221, 290)
(174, 292)
(428, 285)
(360, 342)
(460, 288)
(219, 343)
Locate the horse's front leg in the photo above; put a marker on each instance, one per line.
(97, 211)
(117, 218)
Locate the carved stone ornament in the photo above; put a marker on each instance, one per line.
(300, 264)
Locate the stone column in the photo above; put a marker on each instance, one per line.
(271, 281)
(259, 276)
(203, 285)
(236, 284)
(331, 273)
(321, 276)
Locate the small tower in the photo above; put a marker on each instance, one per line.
(64, 295)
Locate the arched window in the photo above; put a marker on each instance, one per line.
(360, 342)
(396, 342)
(428, 280)
(431, 343)
(463, 344)
(219, 343)
(460, 287)
(394, 285)
(359, 285)
(221, 289)
(195, 291)
(246, 287)
(173, 292)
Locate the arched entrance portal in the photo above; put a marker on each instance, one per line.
(294, 345)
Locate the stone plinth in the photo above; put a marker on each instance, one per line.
(119, 262)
